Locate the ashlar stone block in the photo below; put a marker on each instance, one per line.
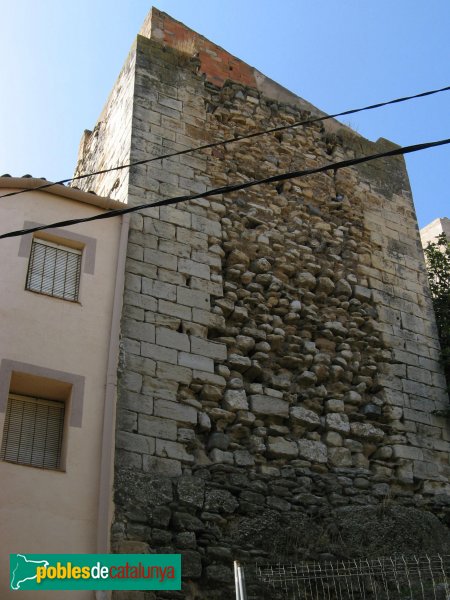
(190, 267)
(175, 411)
(172, 339)
(194, 298)
(206, 225)
(159, 289)
(157, 427)
(207, 348)
(195, 361)
(134, 442)
(165, 466)
(175, 450)
(160, 259)
(176, 373)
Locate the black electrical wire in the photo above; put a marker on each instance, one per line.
(235, 139)
(234, 187)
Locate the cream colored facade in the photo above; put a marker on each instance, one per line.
(50, 347)
(430, 232)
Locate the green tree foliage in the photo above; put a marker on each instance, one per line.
(438, 264)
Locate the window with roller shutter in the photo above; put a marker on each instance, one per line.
(54, 270)
(33, 432)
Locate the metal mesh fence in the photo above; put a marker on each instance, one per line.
(394, 578)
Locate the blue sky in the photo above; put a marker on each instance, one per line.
(59, 60)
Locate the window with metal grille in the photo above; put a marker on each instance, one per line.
(54, 270)
(33, 432)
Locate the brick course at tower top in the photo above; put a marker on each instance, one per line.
(280, 359)
(216, 63)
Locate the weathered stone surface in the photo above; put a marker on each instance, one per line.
(212, 393)
(192, 564)
(221, 501)
(160, 537)
(410, 452)
(191, 491)
(239, 363)
(164, 466)
(332, 439)
(278, 503)
(195, 361)
(186, 521)
(313, 451)
(340, 457)
(218, 440)
(147, 489)
(278, 447)
(173, 373)
(238, 257)
(245, 343)
(362, 293)
(174, 450)
(353, 397)
(307, 378)
(267, 405)
(175, 411)
(312, 367)
(204, 421)
(135, 443)
(306, 280)
(172, 339)
(186, 539)
(305, 417)
(367, 431)
(220, 456)
(243, 458)
(209, 349)
(186, 436)
(219, 574)
(235, 400)
(337, 422)
(333, 405)
(325, 285)
(296, 306)
(343, 288)
(262, 265)
(157, 427)
(336, 327)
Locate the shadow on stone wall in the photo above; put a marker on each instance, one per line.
(348, 533)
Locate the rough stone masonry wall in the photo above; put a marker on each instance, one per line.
(280, 384)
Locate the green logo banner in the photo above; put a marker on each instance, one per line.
(95, 571)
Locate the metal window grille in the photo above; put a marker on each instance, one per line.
(54, 270)
(33, 432)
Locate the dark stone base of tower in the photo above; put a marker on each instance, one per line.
(280, 387)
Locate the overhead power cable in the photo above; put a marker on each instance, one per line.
(234, 187)
(234, 139)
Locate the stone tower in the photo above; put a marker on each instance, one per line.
(279, 383)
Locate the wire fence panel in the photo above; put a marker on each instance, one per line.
(395, 578)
